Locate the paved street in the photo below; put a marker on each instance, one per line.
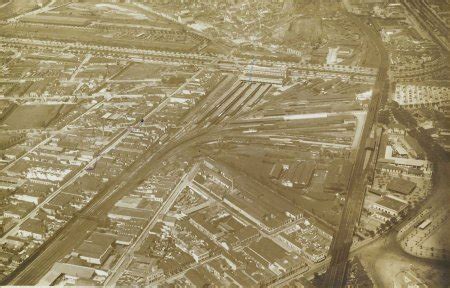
(224, 143)
(343, 239)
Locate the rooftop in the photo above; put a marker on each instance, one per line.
(391, 203)
(33, 226)
(401, 186)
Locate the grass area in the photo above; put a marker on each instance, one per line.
(31, 116)
(11, 139)
(5, 140)
(98, 37)
(371, 57)
(139, 71)
(216, 48)
(384, 259)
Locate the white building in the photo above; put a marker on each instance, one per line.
(263, 74)
(332, 55)
(390, 205)
(29, 197)
(32, 228)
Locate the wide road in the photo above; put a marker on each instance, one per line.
(83, 224)
(86, 222)
(123, 262)
(144, 55)
(115, 140)
(30, 274)
(342, 240)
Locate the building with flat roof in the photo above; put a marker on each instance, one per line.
(396, 128)
(338, 176)
(269, 254)
(5, 257)
(262, 74)
(32, 228)
(29, 196)
(65, 271)
(96, 248)
(93, 253)
(123, 213)
(299, 174)
(276, 171)
(408, 279)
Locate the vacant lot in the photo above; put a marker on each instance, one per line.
(140, 71)
(31, 116)
(97, 36)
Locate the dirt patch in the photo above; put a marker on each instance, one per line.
(384, 259)
(31, 116)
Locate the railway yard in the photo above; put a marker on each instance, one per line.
(144, 144)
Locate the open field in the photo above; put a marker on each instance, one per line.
(113, 13)
(384, 259)
(96, 37)
(32, 116)
(140, 71)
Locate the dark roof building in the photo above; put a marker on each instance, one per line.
(96, 248)
(338, 176)
(304, 173)
(276, 170)
(269, 254)
(401, 186)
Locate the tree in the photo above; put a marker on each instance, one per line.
(389, 223)
(384, 117)
(394, 104)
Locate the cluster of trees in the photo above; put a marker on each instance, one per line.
(402, 115)
(13, 140)
(384, 117)
(387, 225)
(434, 151)
(391, 222)
(7, 110)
